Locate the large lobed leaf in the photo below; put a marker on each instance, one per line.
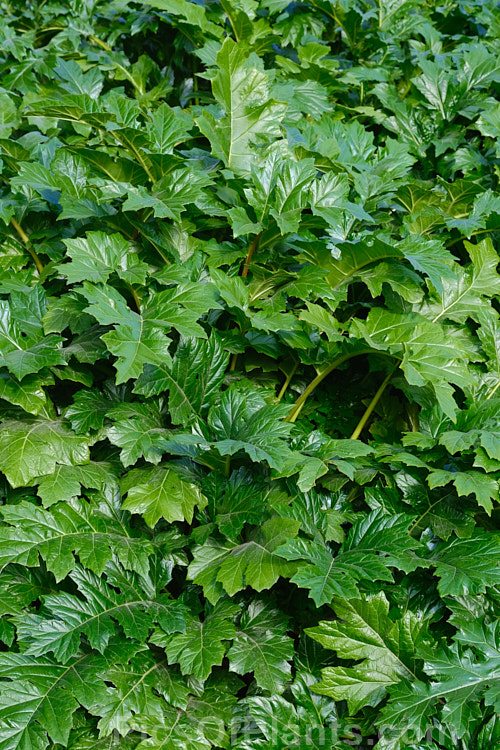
(249, 373)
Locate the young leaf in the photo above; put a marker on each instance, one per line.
(242, 90)
(196, 374)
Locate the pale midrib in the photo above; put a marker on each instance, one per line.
(51, 688)
(455, 301)
(140, 680)
(264, 659)
(92, 533)
(233, 119)
(8, 338)
(378, 636)
(349, 274)
(427, 511)
(323, 587)
(125, 605)
(443, 693)
(178, 388)
(167, 738)
(35, 427)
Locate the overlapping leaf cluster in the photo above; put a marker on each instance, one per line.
(249, 374)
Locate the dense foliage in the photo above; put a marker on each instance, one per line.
(250, 370)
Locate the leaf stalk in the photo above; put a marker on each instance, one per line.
(26, 240)
(248, 259)
(299, 404)
(297, 408)
(373, 403)
(135, 296)
(287, 382)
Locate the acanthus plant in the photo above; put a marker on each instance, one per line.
(250, 369)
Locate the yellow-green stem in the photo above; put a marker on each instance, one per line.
(335, 18)
(493, 391)
(287, 382)
(137, 155)
(233, 27)
(100, 43)
(22, 234)
(195, 82)
(135, 297)
(233, 363)
(297, 408)
(474, 234)
(371, 406)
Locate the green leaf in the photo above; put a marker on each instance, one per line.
(232, 289)
(489, 335)
(430, 257)
(25, 353)
(245, 499)
(430, 355)
(135, 341)
(40, 697)
(9, 118)
(27, 393)
(444, 513)
(260, 431)
(138, 430)
(190, 13)
(242, 89)
(136, 687)
(329, 196)
(222, 225)
(68, 529)
(168, 127)
(170, 195)
(261, 646)
(66, 481)
(467, 566)
(136, 346)
(253, 563)
(284, 724)
(31, 448)
(483, 487)
(374, 545)
(387, 651)
(176, 727)
(89, 409)
(459, 681)
(325, 322)
(161, 493)
(197, 372)
(291, 195)
(68, 617)
(204, 644)
(241, 223)
(436, 85)
(95, 257)
(463, 298)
